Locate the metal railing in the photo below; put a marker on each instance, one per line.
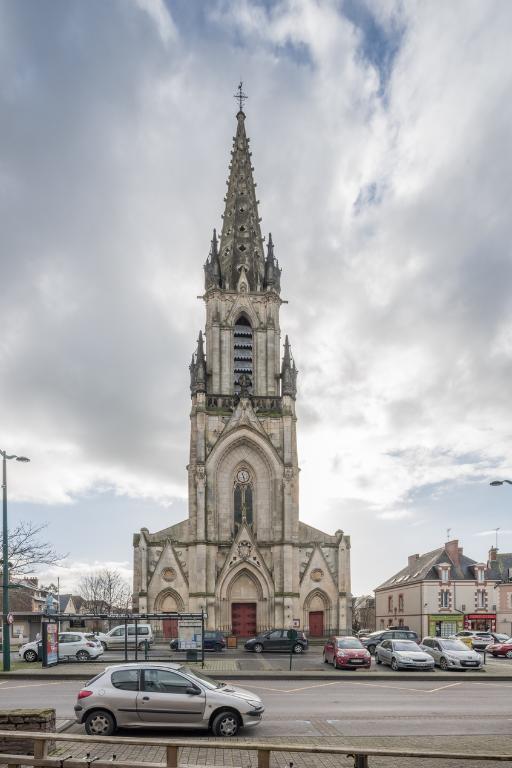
(172, 747)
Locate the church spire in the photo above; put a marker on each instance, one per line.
(241, 244)
(197, 368)
(288, 372)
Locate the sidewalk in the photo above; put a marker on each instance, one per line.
(232, 669)
(202, 754)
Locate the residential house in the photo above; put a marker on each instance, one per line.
(500, 565)
(439, 593)
(27, 601)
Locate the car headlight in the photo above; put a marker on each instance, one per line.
(254, 704)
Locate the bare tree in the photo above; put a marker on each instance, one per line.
(27, 550)
(105, 591)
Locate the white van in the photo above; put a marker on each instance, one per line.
(115, 638)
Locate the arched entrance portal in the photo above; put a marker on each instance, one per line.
(244, 595)
(169, 602)
(316, 609)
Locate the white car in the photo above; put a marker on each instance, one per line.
(451, 653)
(115, 638)
(82, 646)
(403, 654)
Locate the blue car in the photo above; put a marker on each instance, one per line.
(213, 641)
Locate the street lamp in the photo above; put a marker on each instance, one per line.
(6, 640)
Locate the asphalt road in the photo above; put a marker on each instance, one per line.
(336, 708)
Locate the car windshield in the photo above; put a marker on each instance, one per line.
(405, 645)
(349, 642)
(454, 645)
(203, 679)
(91, 637)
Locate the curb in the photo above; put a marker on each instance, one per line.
(284, 675)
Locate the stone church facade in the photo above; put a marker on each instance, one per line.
(243, 555)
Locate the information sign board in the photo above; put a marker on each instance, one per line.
(190, 634)
(50, 644)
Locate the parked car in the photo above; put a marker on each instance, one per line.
(346, 653)
(501, 649)
(479, 640)
(372, 641)
(163, 696)
(115, 637)
(80, 645)
(213, 641)
(276, 640)
(403, 654)
(451, 653)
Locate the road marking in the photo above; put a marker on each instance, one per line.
(33, 685)
(353, 682)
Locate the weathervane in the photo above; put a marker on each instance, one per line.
(241, 96)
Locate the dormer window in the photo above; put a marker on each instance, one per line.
(444, 575)
(480, 575)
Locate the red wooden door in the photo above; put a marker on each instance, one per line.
(316, 623)
(243, 619)
(170, 628)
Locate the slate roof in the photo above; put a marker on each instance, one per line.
(424, 569)
(500, 567)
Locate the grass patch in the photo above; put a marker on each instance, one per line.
(16, 665)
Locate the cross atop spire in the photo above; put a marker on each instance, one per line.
(241, 96)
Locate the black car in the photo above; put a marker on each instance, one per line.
(277, 640)
(376, 638)
(213, 641)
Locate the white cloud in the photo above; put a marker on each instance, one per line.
(387, 200)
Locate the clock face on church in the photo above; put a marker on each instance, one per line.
(242, 476)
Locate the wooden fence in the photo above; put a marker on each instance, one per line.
(42, 759)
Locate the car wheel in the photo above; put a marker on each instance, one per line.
(297, 648)
(378, 660)
(258, 648)
(394, 665)
(30, 656)
(100, 723)
(104, 646)
(82, 656)
(495, 655)
(226, 724)
(141, 646)
(325, 659)
(371, 649)
(443, 664)
(219, 647)
(509, 654)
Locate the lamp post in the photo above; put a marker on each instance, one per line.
(6, 640)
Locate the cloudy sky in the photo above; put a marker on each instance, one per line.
(381, 142)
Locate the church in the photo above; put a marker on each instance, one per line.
(243, 555)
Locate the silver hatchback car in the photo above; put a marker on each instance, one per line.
(164, 696)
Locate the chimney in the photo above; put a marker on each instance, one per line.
(413, 559)
(453, 551)
(493, 556)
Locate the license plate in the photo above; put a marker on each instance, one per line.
(356, 661)
(471, 663)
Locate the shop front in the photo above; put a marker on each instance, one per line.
(445, 624)
(480, 622)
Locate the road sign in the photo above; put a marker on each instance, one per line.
(10, 618)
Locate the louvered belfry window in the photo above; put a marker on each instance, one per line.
(242, 351)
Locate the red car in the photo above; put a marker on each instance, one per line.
(346, 653)
(501, 649)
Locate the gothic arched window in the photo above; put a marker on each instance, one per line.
(242, 352)
(242, 498)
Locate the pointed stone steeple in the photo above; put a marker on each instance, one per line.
(241, 244)
(272, 270)
(197, 368)
(288, 372)
(212, 266)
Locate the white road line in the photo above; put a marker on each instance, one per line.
(354, 682)
(32, 685)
